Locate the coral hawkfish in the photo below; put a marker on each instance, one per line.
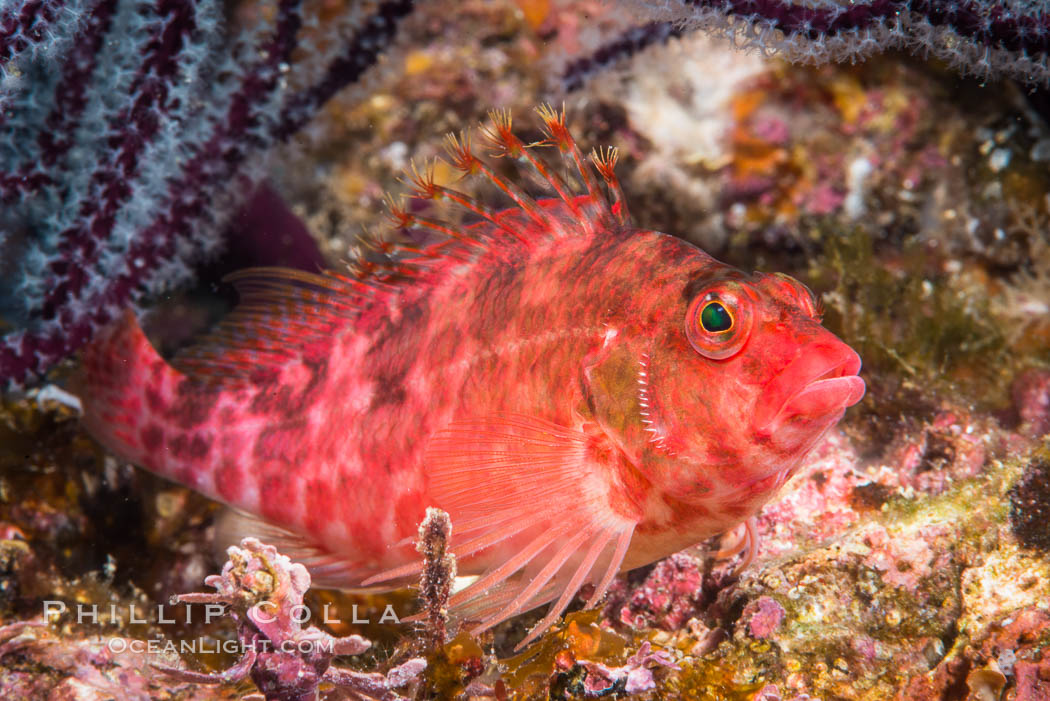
(580, 395)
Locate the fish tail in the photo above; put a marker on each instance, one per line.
(123, 380)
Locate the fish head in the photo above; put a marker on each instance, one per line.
(738, 385)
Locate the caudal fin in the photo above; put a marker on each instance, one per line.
(123, 381)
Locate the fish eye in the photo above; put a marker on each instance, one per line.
(718, 320)
(715, 318)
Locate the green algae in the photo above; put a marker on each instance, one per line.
(902, 317)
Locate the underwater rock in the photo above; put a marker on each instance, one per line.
(1030, 506)
(1031, 395)
(39, 662)
(668, 597)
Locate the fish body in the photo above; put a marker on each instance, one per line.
(579, 395)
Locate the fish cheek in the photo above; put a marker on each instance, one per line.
(610, 382)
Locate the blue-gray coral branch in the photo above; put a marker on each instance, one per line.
(122, 159)
(985, 38)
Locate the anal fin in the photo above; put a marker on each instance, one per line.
(327, 569)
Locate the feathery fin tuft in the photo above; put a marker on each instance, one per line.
(604, 160)
(559, 135)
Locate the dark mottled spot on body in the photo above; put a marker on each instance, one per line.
(396, 336)
(154, 400)
(271, 399)
(318, 369)
(193, 405)
(229, 481)
(443, 347)
(394, 353)
(189, 448)
(263, 375)
(281, 443)
(389, 391)
(199, 447)
(152, 438)
(498, 298)
(178, 446)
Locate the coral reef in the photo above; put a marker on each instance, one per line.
(908, 558)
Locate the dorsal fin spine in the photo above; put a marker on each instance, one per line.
(604, 160)
(558, 134)
(506, 143)
(465, 160)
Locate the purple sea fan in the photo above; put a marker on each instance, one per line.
(126, 147)
(985, 38)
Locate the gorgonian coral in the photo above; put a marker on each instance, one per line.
(131, 133)
(985, 38)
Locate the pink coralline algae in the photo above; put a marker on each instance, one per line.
(634, 677)
(38, 662)
(763, 616)
(668, 597)
(264, 592)
(904, 562)
(817, 503)
(951, 447)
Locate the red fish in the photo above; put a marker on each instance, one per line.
(581, 396)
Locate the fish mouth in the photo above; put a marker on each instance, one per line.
(818, 384)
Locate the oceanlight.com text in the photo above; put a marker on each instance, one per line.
(203, 646)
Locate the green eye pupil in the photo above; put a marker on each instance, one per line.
(715, 318)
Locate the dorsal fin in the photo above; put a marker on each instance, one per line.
(282, 311)
(565, 215)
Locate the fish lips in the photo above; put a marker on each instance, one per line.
(816, 386)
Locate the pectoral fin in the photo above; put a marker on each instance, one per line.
(516, 477)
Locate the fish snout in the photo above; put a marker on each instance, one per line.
(818, 384)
